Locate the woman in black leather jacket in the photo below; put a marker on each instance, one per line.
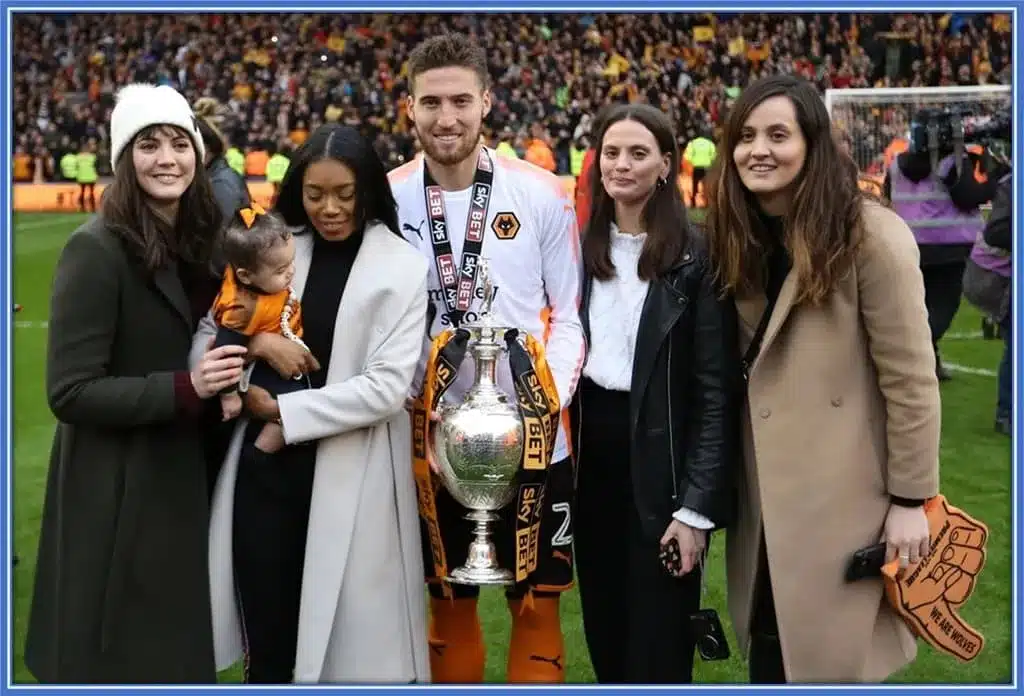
(655, 418)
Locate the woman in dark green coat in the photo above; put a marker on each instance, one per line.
(122, 586)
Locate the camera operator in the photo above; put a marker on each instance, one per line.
(988, 286)
(939, 199)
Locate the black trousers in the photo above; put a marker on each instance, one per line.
(216, 440)
(271, 515)
(943, 286)
(635, 615)
(765, 662)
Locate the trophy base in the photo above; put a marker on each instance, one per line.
(480, 576)
(481, 566)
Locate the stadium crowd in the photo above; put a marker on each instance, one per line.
(284, 75)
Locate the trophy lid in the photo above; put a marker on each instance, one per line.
(485, 318)
(487, 286)
(486, 323)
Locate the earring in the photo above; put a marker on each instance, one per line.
(662, 181)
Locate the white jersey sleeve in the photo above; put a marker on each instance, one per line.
(562, 273)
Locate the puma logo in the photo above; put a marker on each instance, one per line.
(561, 556)
(556, 661)
(417, 229)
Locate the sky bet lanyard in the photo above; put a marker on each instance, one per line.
(458, 285)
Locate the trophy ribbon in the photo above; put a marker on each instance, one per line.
(537, 399)
(442, 368)
(538, 405)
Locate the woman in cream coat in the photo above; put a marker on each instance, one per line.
(361, 611)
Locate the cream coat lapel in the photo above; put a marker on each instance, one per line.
(303, 257)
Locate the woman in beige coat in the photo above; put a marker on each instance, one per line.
(842, 421)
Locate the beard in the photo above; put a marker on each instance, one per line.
(448, 158)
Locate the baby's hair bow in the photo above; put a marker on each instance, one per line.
(250, 214)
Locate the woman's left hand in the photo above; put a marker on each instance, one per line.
(261, 405)
(691, 544)
(906, 534)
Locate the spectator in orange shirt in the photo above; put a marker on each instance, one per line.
(22, 165)
(299, 134)
(538, 151)
(256, 163)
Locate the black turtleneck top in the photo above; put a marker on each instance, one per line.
(329, 270)
(777, 261)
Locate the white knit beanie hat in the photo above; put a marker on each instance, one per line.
(140, 106)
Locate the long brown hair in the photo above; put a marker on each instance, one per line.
(822, 225)
(664, 214)
(146, 235)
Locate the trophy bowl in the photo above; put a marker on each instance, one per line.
(478, 446)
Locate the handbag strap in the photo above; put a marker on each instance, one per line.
(774, 288)
(755, 343)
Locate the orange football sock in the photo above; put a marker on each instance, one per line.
(536, 654)
(456, 642)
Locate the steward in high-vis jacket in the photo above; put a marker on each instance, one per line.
(942, 209)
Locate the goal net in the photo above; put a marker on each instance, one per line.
(877, 121)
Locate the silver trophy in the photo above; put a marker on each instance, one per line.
(478, 446)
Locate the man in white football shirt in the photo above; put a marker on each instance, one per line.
(529, 237)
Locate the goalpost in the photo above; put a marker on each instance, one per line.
(875, 118)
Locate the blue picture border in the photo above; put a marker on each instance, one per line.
(9, 7)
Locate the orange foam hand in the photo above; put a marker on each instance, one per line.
(928, 594)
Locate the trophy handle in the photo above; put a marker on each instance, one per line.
(432, 434)
(521, 335)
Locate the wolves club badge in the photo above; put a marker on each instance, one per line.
(505, 225)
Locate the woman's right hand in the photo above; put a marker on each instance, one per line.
(218, 369)
(691, 543)
(288, 358)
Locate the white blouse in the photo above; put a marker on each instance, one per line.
(614, 312)
(615, 307)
